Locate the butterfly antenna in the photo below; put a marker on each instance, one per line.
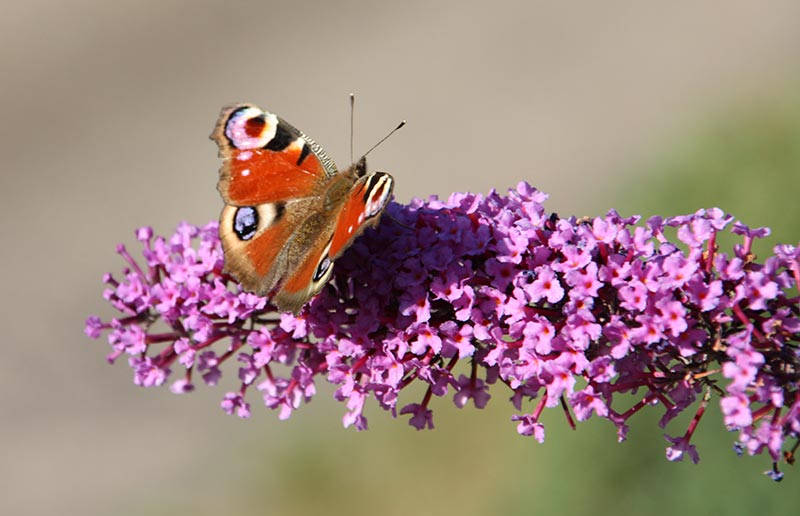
(401, 124)
(352, 109)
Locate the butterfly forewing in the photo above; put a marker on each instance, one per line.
(364, 204)
(266, 159)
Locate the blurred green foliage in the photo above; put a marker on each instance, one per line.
(745, 160)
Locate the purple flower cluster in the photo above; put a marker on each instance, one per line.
(476, 291)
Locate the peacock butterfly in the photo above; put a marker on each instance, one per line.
(288, 211)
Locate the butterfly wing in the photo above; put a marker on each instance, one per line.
(256, 241)
(329, 234)
(266, 159)
(363, 207)
(272, 177)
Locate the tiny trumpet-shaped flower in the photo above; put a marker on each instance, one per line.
(473, 294)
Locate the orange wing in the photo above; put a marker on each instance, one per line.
(266, 159)
(363, 208)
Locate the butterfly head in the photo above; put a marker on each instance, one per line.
(359, 168)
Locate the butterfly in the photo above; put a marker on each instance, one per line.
(289, 212)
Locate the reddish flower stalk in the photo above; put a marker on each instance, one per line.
(564, 310)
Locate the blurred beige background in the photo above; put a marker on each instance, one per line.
(106, 109)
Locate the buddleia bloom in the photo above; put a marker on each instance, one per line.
(476, 296)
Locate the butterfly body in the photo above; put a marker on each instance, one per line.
(288, 211)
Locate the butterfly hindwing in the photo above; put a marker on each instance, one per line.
(255, 241)
(311, 266)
